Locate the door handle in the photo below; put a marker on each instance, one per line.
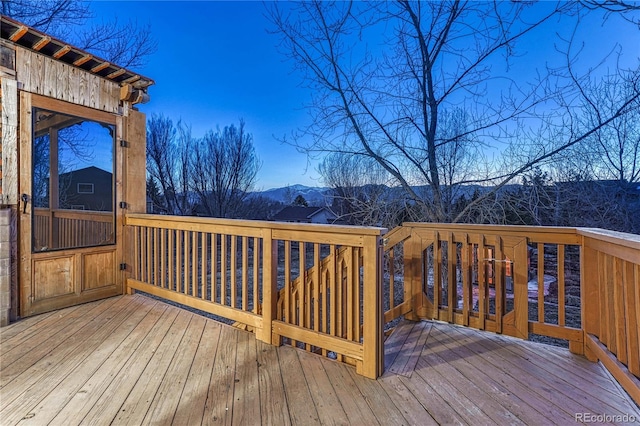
(25, 200)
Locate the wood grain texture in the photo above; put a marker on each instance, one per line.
(9, 141)
(135, 360)
(48, 77)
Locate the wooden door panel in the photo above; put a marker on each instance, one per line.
(98, 270)
(57, 276)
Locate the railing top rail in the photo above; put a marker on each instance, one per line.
(498, 229)
(159, 220)
(620, 238)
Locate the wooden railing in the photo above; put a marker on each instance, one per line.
(57, 229)
(581, 286)
(611, 303)
(336, 290)
(510, 280)
(312, 286)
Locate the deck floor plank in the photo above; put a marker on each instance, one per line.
(30, 350)
(85, 381)
(219, 406)
(163, 407)
(135, 407)
(395, 341)
(246, 396)
(191, 406)
(302, 410)
(108, 403)
(134, 359)
(530, 389)
(589, 373)
(376, 397)
(455, 383)
(405, 362)
(29, 327)
(471, 371)
(273, 399)
(348, 393)
(31, 385)
(412, 396)
(329, 409)
(546, 376)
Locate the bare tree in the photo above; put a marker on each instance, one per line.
(225, 167)
(613, 152)
(127, 44)
(169, 151)
(428, 100)
(360, 195)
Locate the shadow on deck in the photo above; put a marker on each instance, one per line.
(136, 360)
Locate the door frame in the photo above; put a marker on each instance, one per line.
(32, 298)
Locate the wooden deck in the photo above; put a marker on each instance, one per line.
(135, 360)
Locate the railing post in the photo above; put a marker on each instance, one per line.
(373, 319)
(269, 288)
(413, 276)
(520, 290)
(589, 295)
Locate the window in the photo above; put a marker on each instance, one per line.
(85, 188)
(73, 172)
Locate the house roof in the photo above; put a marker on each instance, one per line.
(30, 38)
(297, 213)
(86, 170)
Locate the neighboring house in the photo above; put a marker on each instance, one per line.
(90, 188)
(300, 214)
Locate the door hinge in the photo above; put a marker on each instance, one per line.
(124, 144)
(123, 266)
(123, 204)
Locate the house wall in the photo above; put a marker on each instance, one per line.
(323, 217)
(8, 184)
(5, 267)
(25, 71)
(48, 77)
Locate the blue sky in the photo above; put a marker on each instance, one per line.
(216, 63)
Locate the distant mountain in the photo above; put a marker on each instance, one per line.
(315, 196)
(321, 196)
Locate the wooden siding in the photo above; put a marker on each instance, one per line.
(136, 360)
(9, 137)
(48, 77)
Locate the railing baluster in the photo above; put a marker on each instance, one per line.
(245, 273)
(618, 325)
(482, 282)
(215, 271)
(541, 271)
(316, 286)
(467, 272)
(561, 287)
(234, 268)
(350, 290)
(223, 270)
(194, 263)
(498, 283)
(171, 252)
(256, 275)
(451, 275)
(204, 250)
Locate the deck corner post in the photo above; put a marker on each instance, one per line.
(521, 297)
(269, 290)
(413, 276)
(589, 291)
(373, 317)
